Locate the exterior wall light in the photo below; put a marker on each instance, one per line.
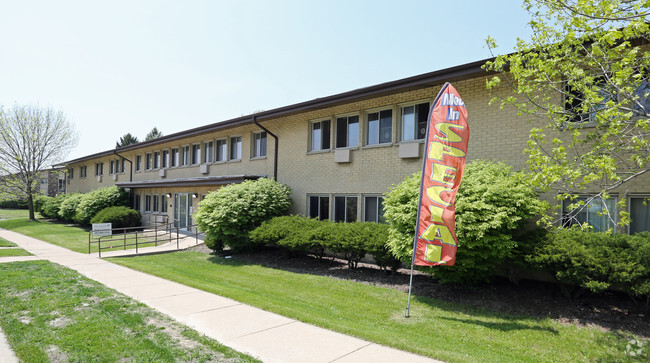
(195, 195)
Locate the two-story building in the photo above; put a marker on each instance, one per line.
(338, 153)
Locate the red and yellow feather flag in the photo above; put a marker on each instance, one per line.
(435, 241)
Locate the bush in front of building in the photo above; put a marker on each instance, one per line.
(227, 215)
(68, 207)
(119, 217)
(291, 233)
(596, 261)
(13, 204)
(51, 206)
(93, 202)
(493, 205)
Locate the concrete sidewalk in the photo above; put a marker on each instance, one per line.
(268, 336)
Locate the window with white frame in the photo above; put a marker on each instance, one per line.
(319, 207)
(147, 203)
(345, 208)
(136, 202)
(222, 147)
(165, 159)
(208, 152)
(186, 156)
(347, 131)
(175, 157)
(320, 135)
(639, 214)
(83, 171)
(156, 201)
(598, 213)
(70, 173)
(259, 145)
(373, 209)
(379, 127)
(111, 168)
(413, 121)
(138, 163)
(156, 159)
(99, 169)
(123, 166)
(196, 154)
(148, 158)
(163, 203)
(235, 148)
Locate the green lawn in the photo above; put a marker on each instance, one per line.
(436, 329)
(13, 213)
(51, 313)
(10, 252)
(5, 243)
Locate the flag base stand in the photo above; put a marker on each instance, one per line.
(408, 305)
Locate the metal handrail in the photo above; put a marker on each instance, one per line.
(139, 236)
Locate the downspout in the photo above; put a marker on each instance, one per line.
(275, 158)
(131, 195)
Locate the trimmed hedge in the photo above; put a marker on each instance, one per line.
(13, 204)
(596, 261)
(93, 202)
(68, 208)
(227, 215)
(120, 217)
(352, 241)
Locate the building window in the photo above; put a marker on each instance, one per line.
(111, 169)
(99, 169)
(235, 148)
(123, 166)
(163, 203)
(373, 209)
(83, 171)
(147, 203)
(319, 207)
(196, 154)
(345, 208)
(147, 161)
(380, 127)
(598, 213)
(156, 159)
(165, 159)
(414, 121)
(156, 202)
(221, 150)
(208, 148)
(259, 144)
(186, 156)
(138, 163)
(174, 157)
(320, 135)
(575, 98)
(347, 131)
(70, 173)
(136, 202)
(639, 214)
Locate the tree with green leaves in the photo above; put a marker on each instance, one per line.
(583, 80)
(153, 134)
(32, 139)
(126, 140)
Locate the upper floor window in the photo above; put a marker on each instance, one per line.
(413, 121)
(138, 163)
(347, 131)
(156, 159)
(259, 144)
(380, 127)
(99, 169)
(599, 213)
(196, 154)
(345, 208)
(165, 159)
(319, 207)
(235, 148)
(208, 148)
(320, 135)
(111, 168)
(175, 158)
(186, 156)
(70, 173)
(83, 171)
(147, 161)
(374, 209)
(221, 150)
(123, 165)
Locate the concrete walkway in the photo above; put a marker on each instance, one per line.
(268, 336)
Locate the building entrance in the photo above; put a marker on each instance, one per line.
(182, 210)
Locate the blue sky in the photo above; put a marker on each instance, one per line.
(126, 66)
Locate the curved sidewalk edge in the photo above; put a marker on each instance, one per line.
(268, 336)
(6, 354)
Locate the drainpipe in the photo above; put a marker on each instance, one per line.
(130, 165)
(275, 158)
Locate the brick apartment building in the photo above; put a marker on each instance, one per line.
(338, 153)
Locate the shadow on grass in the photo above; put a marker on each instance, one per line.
(503, 326)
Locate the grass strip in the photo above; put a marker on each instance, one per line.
(437, 329)
(10, 252)
(51, 313)
(5, 243)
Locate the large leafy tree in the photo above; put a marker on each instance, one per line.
(31, 139)
(584, 81)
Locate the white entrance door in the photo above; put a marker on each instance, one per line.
(182, 210)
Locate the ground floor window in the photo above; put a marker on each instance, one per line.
(163, 203)
(136, 202)
(156, 203)
(345, 208)
(639, 214)
(373, 209)
(319, 207)
(598, 213)
(147, 203)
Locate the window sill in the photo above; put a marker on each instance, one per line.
(258, 158)
(219, 162)
(314, 152)
(374, 146)
(347, 148)
(420, 141)
(234, 161)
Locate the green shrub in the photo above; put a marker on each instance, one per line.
(91, 203)
(289, 232)
(50, 207)
(595, 261)
(39, 201)
(13, 204)
(227, 215)
(68, 207)
(492, 205)
(120, 217)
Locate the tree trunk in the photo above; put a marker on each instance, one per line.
(30, 206)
